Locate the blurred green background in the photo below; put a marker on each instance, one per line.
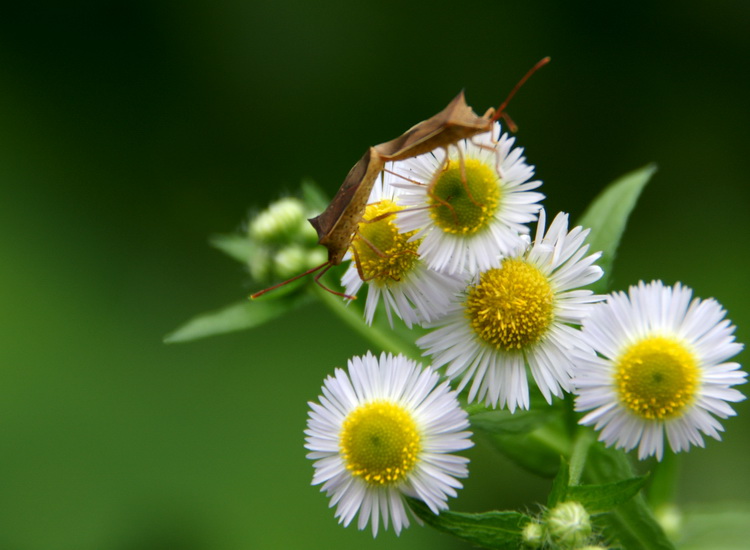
(131, 131)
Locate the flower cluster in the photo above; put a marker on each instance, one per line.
(445, 244)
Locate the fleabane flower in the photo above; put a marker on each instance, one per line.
(470, 204)
(662, 368)
(521, 311)
(383, 431)
(389, 263)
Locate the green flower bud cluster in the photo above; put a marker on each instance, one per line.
(567, 526)
(285, 244)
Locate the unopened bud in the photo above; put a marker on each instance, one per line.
(569, 524)
(533, 535)
(292, 260)
(260, 266)
(279, 223)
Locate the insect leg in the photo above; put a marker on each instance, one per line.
(378, 252)
(433, 196)
(415, 182)
(327, 265)
(462, 165)
(324, 287)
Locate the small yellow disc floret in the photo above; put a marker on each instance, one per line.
(382, 254)
(657, 378)
(380, 442)
(463, 200)
(512, 306)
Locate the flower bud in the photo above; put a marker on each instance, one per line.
(294, 259)
(260, 266)
(569, 524)
(281, 222)
(532, 535)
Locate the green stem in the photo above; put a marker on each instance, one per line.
(663, 481)
(353, 318)
(552, 439)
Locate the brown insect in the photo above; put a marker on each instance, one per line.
(338, 222)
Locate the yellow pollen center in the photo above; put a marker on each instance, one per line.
(381, 253)
(463, 200)
(512, 306)
(657, 378)
(379, 442)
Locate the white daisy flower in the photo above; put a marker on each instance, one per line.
(470, 206)
(517, 313)
(384, 431)
(662, 369)
(393, 269)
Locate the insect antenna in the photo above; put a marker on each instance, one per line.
(500, 112)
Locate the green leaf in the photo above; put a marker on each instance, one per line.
(608, 215)
(503, 422)
(602, 498)
(238, 316)
(538, 451)
(496, 530)
(312, 196)
(236, 246)
(560, 485)
(631, 523)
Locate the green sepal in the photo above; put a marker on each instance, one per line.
(608, 215)
(496, 530)
(238, 316)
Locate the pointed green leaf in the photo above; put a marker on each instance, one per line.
(235, 246)
(497, 530)
(608, 215)
(602, 498)
(537, 451)
(631, 523)
(503, 422)
(560, 485)
(528, 452)
(312, 196)
(239, 316)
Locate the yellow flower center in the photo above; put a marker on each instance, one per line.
(512, 306)
(381, 253)
(657, 378)
(464, 201)
(380, 442)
